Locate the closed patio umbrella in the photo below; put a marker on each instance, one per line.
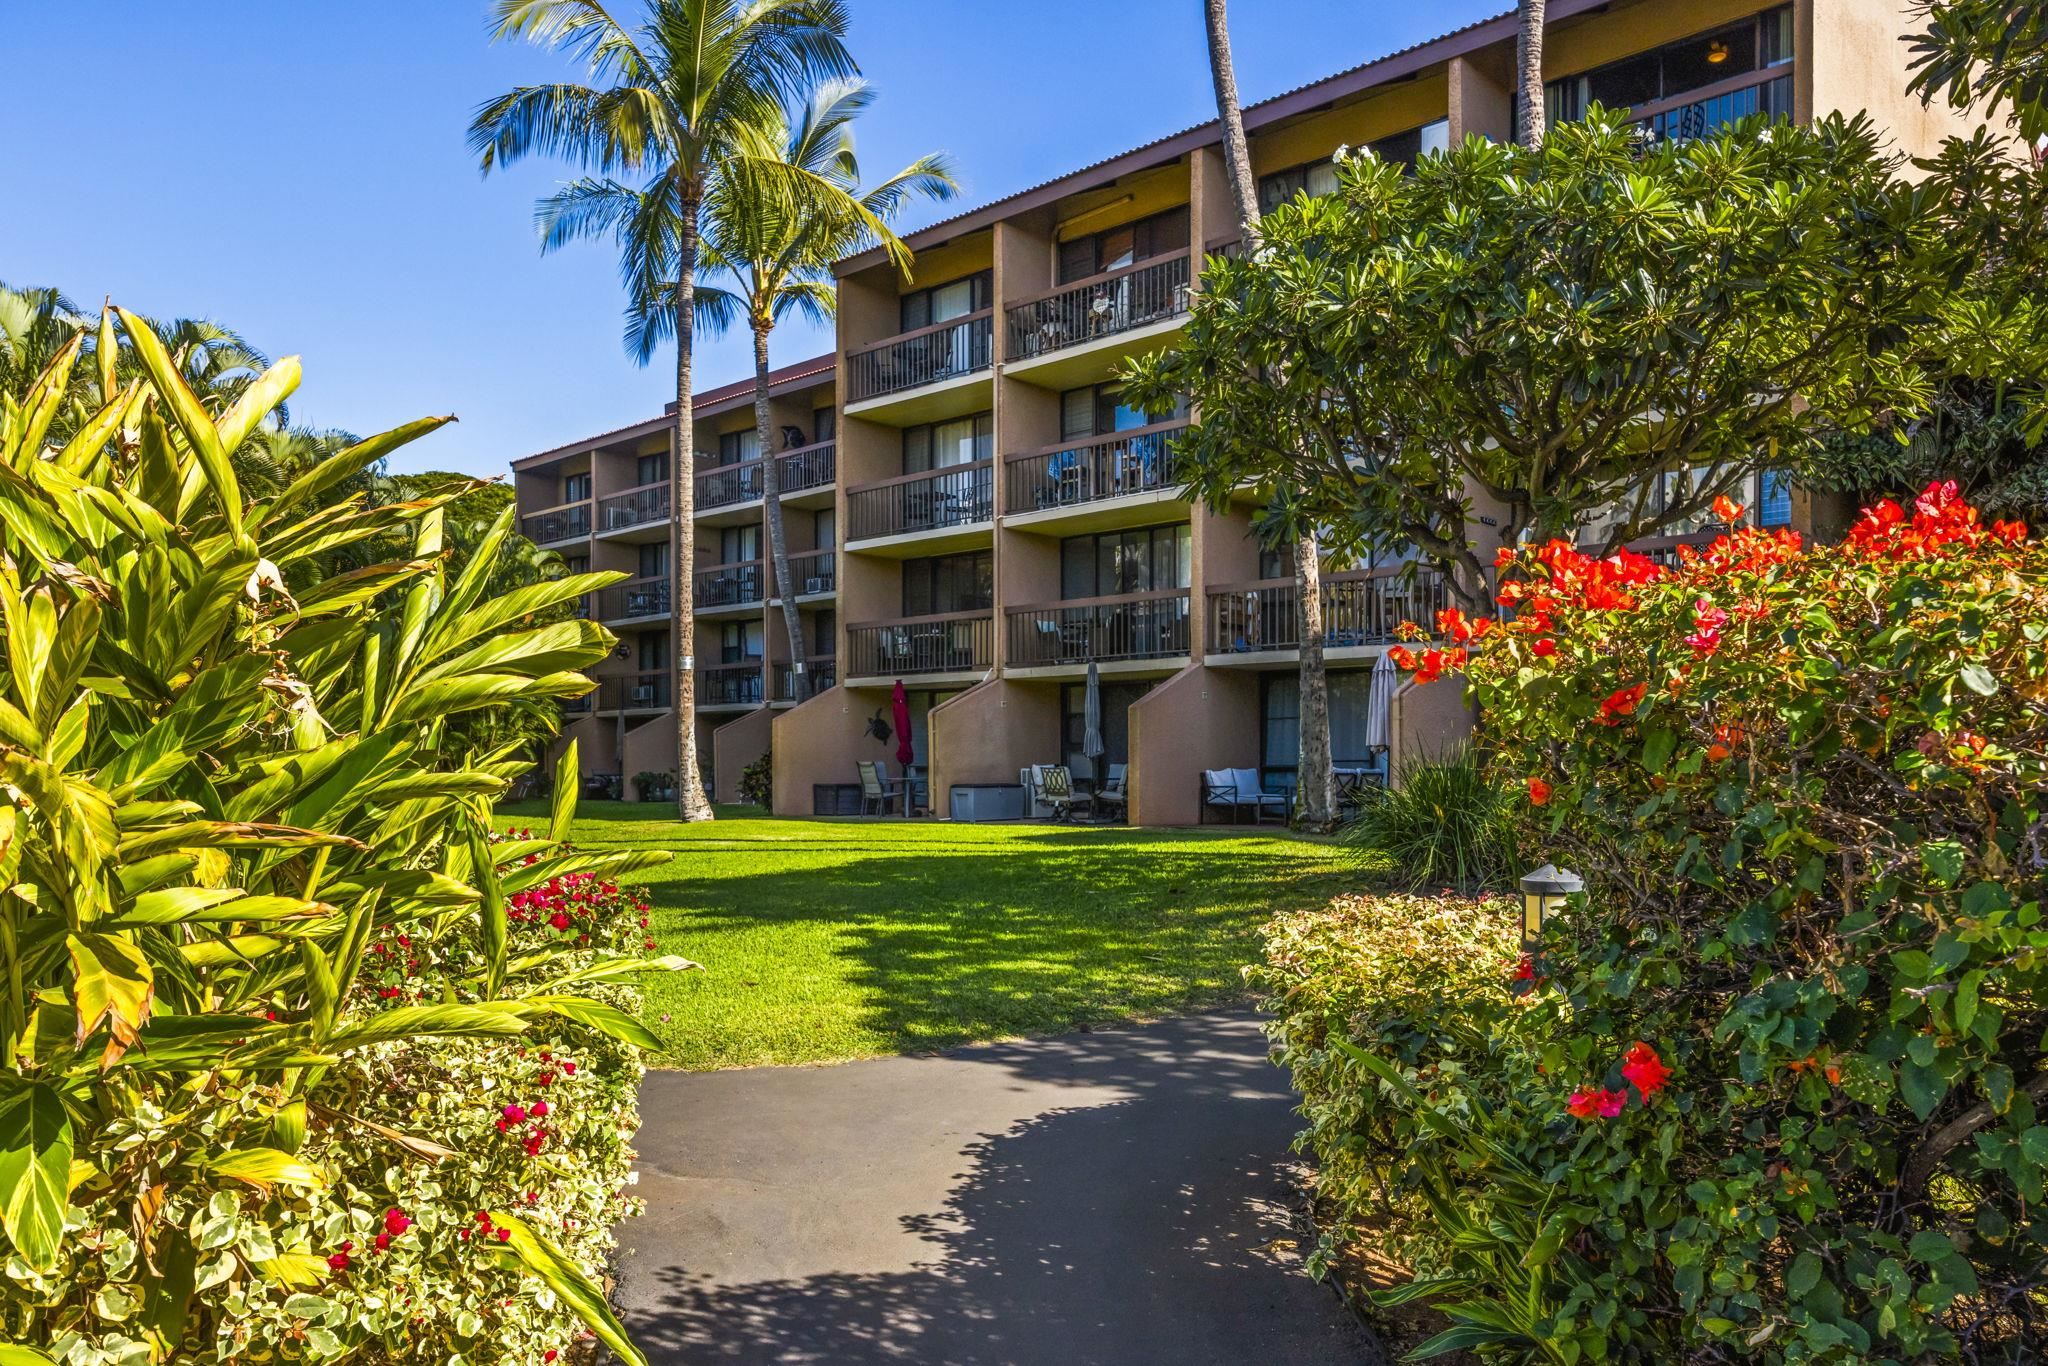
(899, 712)
(1091, 716)
(1379, 703)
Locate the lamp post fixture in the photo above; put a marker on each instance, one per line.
(1544, 891)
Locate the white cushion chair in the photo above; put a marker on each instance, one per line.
(1236, 791)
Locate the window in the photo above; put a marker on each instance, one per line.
(824, 637)
(1754, 44)
(1350, 694)
(653, 651)
(825, 530)
(1774, 499)
(955, 299)
(654, 560)
(739, 642)
(739, 544)
(949, 583)
(575, 564)
(1116, 729)
(1317, 178)
(1114, 248)
(737, 447)
(1142, 560)
(937, 445)
(824, 423)
(1096, 410)
(651, 469)
(575, 487)
(1276, 562)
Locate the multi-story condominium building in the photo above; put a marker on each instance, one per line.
(976, 515)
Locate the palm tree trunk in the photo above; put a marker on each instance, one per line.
(1529, 69)
(771, 502)
(682, 534)
(1315, 784)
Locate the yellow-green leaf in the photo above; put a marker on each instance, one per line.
(112, 983)
(266, 1167)
(35, 1169)
(568, 1280)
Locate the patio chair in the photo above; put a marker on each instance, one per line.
(877, 790)
(1053, 787)
(1233, 792)
(1110, 799)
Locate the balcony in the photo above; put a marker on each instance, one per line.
(569, 522)
(1125, 628)
(634, 600)
(1698, 113)
(823, 671)
(948, 643)
(635, 509)
(951, 350)
(728, 485)
(730, 685)
(641, 692)
(807, 467)
(1066, 476)
(1096, 310)
(814, 574)
(955, 499)
(1361, 608)
(721, 586)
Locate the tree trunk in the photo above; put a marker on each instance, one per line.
(1529, 70)
(1315, 779)
(771, 502)
(691, 804)
(1237, 156)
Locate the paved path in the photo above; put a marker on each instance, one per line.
(1107, 1199)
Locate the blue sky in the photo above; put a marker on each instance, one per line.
(297, 169)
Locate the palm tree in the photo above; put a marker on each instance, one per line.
(1315, 776)
(671, 102)
(779, 262)
(1529, 69)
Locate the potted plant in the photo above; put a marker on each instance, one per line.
(655, 787)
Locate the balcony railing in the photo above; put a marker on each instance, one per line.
(956, 496)
(729, 685)
(569, 522)
(822, 670)
(1697, 113)
(1099, 306)
(816, 572)
(951, 642)
(635, 598)
(729, 484)
(1139, 460)
(730, 585)
(1129, 626)
(636, 692)
(1360, 607)
(806, 467)
(634, 507)
(947, 350)
(580, 706)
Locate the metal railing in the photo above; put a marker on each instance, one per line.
(1139, 460)
(580, 706)
(569, 522)
(956, 496)
(1099, 306)
(730, 585)
(634, 507)
(950, 642)
(1697, 113)
(647, 597)
(1360, 607)
(815, 572)
(636, 692)
(822, 670)
(1128, 626)
(729, 484)
(806, 467)
(947, 350)
(729, 685)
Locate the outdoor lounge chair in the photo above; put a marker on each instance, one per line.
(1110, 799)
(1235, 792)
(877, 789)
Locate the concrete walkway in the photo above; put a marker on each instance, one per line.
(1106, 1199)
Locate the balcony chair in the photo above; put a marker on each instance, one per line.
(877, 789)
(1233, 792)
(1051, 786)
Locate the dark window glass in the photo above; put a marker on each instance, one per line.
(949, 583)
(1774, 499)
(1117, 699)
(1676, 68)
(651, 469)
(1621, 84)
(653, 651)
(737, 544)
(1140, 560)
(824, 423)
(575, 487)
(1114, 248)
(959, 441)
(654, 560)
(734, 447)
(954, 299)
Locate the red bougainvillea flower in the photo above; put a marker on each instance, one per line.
(538, 1109)
(1621, 703)
(396, 1221)
(1717, 751)
(1645, 1070)
(1451, 622)
(1544, 647)
(569, 1069)
(1605, 1104)
(1727, 509)
(1707, 621)
(1539, 792)
(1402, 656)
(514, 1114)
(559, 920)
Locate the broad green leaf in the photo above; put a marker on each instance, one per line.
(177, 905)
(568, 778)
(492, 918)
(596, 1015)
(14, 1355)
(1979, 679)
(1944, 860)
(255, 402)
(1923, 1088)
(111, 982)
(35, 1169)
(294, 1269)
(189, 414)
(266, 1167)
(528, 1249)
(412, 1022)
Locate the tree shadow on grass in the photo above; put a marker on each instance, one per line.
(1136, 1212)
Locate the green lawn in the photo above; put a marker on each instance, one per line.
(826, 940)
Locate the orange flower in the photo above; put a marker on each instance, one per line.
(1620, 703)
(1727, 509)
(1717, 751)
(1402, 656)
(1645, 1070)
(1539, 792)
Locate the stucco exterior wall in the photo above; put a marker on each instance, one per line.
(735, 745)
(1199, 718)
(820, 741)
(987, 733)
(1858, 62)
(1427, 722)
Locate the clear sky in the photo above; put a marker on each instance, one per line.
(297, 169)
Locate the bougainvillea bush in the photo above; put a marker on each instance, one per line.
(270, 986)
(1784, 1100)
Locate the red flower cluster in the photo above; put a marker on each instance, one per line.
(1430, 665)
(1606, 1104)
(1941, 520)
(1539, 792)
(514, 1116)
(1642, 1068)
(1621, 704)
(1707, 621)
(396, 1222)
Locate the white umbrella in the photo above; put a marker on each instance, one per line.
(1379, 703)
(1091, 716)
